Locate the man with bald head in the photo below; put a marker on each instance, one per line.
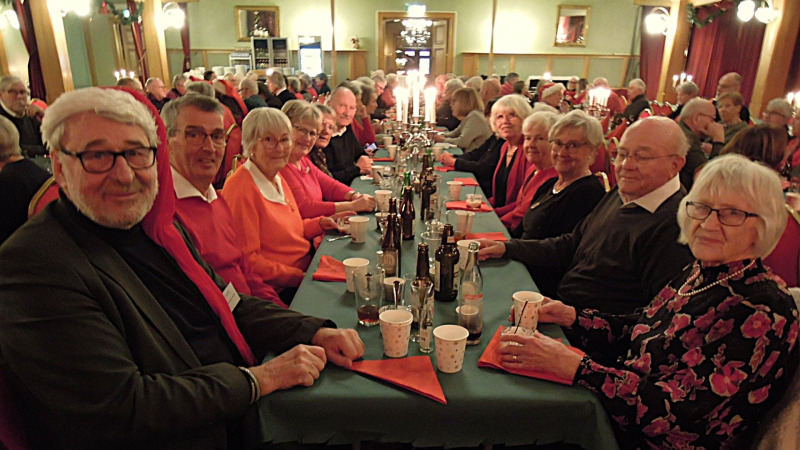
(614, 104)
(490, 90)
(156, 92)
(731, 82)
(698, 124)
(624, 252)
(346, 158)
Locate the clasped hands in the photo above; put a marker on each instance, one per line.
(302, 364)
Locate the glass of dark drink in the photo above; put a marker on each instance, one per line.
(369, 290)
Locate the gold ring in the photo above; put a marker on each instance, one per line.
(514, 358)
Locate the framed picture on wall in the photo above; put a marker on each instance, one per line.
(257, 21)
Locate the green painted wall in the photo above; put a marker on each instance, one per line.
(16, 52)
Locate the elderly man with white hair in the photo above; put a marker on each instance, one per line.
(114, 333)
(345, 157)
(156, 92)
(778, 113)
(27, 118)
(638, 99)
(697, 123)
(625, 251)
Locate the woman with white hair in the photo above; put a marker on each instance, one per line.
(713, 352)
(508, 113)
(277, 238)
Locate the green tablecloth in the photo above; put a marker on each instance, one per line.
(484, 406)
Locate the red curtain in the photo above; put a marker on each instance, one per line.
(187, 56)
(725, 45)
(29, 37)
(651, 56)
(137, 43)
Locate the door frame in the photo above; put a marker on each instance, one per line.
(450, 17)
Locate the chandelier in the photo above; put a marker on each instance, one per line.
(416, 32)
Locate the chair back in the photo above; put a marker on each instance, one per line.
(785, 258)
(12, 431)
(613, 144)
(47, 192)
(618, 131)
(603, 180)
(646, 113)
(663, 109)
(601, 162)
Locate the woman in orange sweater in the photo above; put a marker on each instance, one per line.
(277, 239)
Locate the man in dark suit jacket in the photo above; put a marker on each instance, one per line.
(27, 118)
(277, 85)
(345, 157)
(113, 331)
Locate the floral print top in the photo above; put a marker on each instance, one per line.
(697, 370)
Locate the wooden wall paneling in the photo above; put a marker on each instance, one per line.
(156, 54)
(675, 46)
(3, 56)
(53, 52)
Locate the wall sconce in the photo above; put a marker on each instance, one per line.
(9, 18)
(173, 17)
(657, 22)
(765, 13)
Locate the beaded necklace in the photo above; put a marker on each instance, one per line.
(697, 291)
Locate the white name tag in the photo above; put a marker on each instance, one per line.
(231, 296)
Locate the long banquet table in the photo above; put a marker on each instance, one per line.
(484, 406)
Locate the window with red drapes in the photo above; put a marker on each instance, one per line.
(651, 55)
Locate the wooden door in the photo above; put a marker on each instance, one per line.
(439, 47)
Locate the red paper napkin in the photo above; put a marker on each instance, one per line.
(330, 269)
(463, 205)
(444, 168)
(489, 358)
(493, 235)
(382, 159)
(467, 181)
(414, 373)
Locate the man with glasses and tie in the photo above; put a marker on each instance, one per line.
(114, 333)
(626, 249)
(27, 118)
(698, 125)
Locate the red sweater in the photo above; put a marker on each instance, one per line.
(533, 180)
(316, 193)
(364, 131)
(210, 227)
(276, 238)
(516, 176)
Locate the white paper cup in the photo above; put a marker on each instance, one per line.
(531, 301)
(388, 290)
(451, 341)
(382, 197)
(454, 190)
(387, 141)
(392, 149)
(358, 229)
(396, 330)
(350, 266)
(463, 252)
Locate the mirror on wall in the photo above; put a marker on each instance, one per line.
(572, 25)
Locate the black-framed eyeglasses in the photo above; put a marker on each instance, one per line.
(197, 136)
(101, 161)
(731, 217)
(570, 147)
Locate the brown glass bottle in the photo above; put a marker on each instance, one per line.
(389, 244)
(428, 189)
(407, 213)
(422, 301)
(446, 267)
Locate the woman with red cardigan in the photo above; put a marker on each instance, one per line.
(317, 194)
(508, 113)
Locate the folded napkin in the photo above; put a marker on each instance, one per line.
(493, 235)
(382, 159)
(330, 269)
(467, 181)
(443, 168)
(414, 373)
(490, 358)
(461, 204)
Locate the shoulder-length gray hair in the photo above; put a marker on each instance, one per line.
(261, 121)
(514, 102)
(757, 183)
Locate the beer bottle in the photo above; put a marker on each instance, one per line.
(422, 301)
(391, 251)
(407, 213)
(428, 191)
(447, 266)
(470, 297)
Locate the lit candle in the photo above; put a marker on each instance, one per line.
(790, 97)
(675, 80)
(688, 78)
(116, 74)
(430, 104)
(683, 77)
(546, 76)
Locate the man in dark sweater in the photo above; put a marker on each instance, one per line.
(626, 250)
(639, 101)
(697, 123)
(27, 118)
(20, 178)
(345, 157)
(248, 90)
(156, 92)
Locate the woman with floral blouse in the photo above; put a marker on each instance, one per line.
(715, 349)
